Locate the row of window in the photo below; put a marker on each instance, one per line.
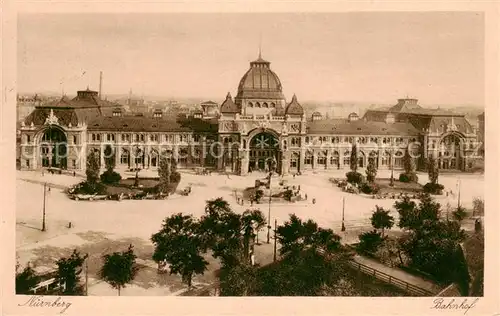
(263, 105)
(351, 139)
(171, 138)
(334, 160)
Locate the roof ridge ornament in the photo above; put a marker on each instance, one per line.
(51, 119)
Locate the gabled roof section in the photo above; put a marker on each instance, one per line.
(228, 105)
(405, 105)
(360, 127)
(294, 107)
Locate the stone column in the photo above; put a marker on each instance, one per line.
(285, 163)
(101, 155)
(117, 148)
(244, 154)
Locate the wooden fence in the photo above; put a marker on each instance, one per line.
(407, 287)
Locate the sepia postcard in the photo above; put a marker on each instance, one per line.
(309, 158)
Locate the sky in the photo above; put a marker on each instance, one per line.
(339, 57)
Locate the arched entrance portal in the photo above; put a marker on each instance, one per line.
(264, 152)
(54, 148)
(450, 152)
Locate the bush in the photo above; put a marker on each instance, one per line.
(370, 241)
(460, 214)
(370, 188)
(408, 177)
(287, 195)
(86, 188)
(175, 177)
(354, 177)
(433, 188)
(110, 177)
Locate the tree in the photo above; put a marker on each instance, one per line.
(296, 236)
(432, 248)
(370, 241)
(412, 216)
(371, 170)
(109, 158)
(252, 221)
(68, 273)
(353, 162)
(432, 170)
(26, 280)
(459, 214)
(137, 154)
(119, 268)
(478, 206)
(222, 231)
(92, 170)
(381, 219)
(407, 212)
(179, 243)
(164, 174)
(240, 280)
(408, 163)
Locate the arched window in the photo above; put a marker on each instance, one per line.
(308, 158)
(273, 105)
(294, 160)
(334, 158)
(257, 105)
(250, 104)
(264, 105)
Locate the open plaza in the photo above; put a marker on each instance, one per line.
(101, 227)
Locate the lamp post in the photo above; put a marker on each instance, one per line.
(275, 224)
(458, 185)
(269, 211)
(343, 208)
(43, 214)
(272, 163)
(86, 275)
(392, 168)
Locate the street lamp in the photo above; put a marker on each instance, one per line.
(458, 185)
(343, 207)
(272, 164)
(392, 168)
(43, 214)
(275, 224)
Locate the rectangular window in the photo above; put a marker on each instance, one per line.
(142, 137)
(28, 138)
(98, 137)
(27, 163)
(93, 137)
(196, 138)
(136, 137)
(75, 140)
(74, 163)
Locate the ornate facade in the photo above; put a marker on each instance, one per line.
(257, 129)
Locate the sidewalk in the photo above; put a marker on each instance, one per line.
(399, 274)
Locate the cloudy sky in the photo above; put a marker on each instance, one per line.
(363, 57)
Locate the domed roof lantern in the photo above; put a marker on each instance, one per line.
(228, 105)
(294, 107)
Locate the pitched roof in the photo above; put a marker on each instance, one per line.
(294, 107)
(360, 127)
(228, 105)
(149, 124)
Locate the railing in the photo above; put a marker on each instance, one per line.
(407, 287)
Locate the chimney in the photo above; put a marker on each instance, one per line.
(100, 84)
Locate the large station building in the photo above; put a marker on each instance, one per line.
(245, 133)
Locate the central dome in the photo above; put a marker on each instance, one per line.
(260, 82)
